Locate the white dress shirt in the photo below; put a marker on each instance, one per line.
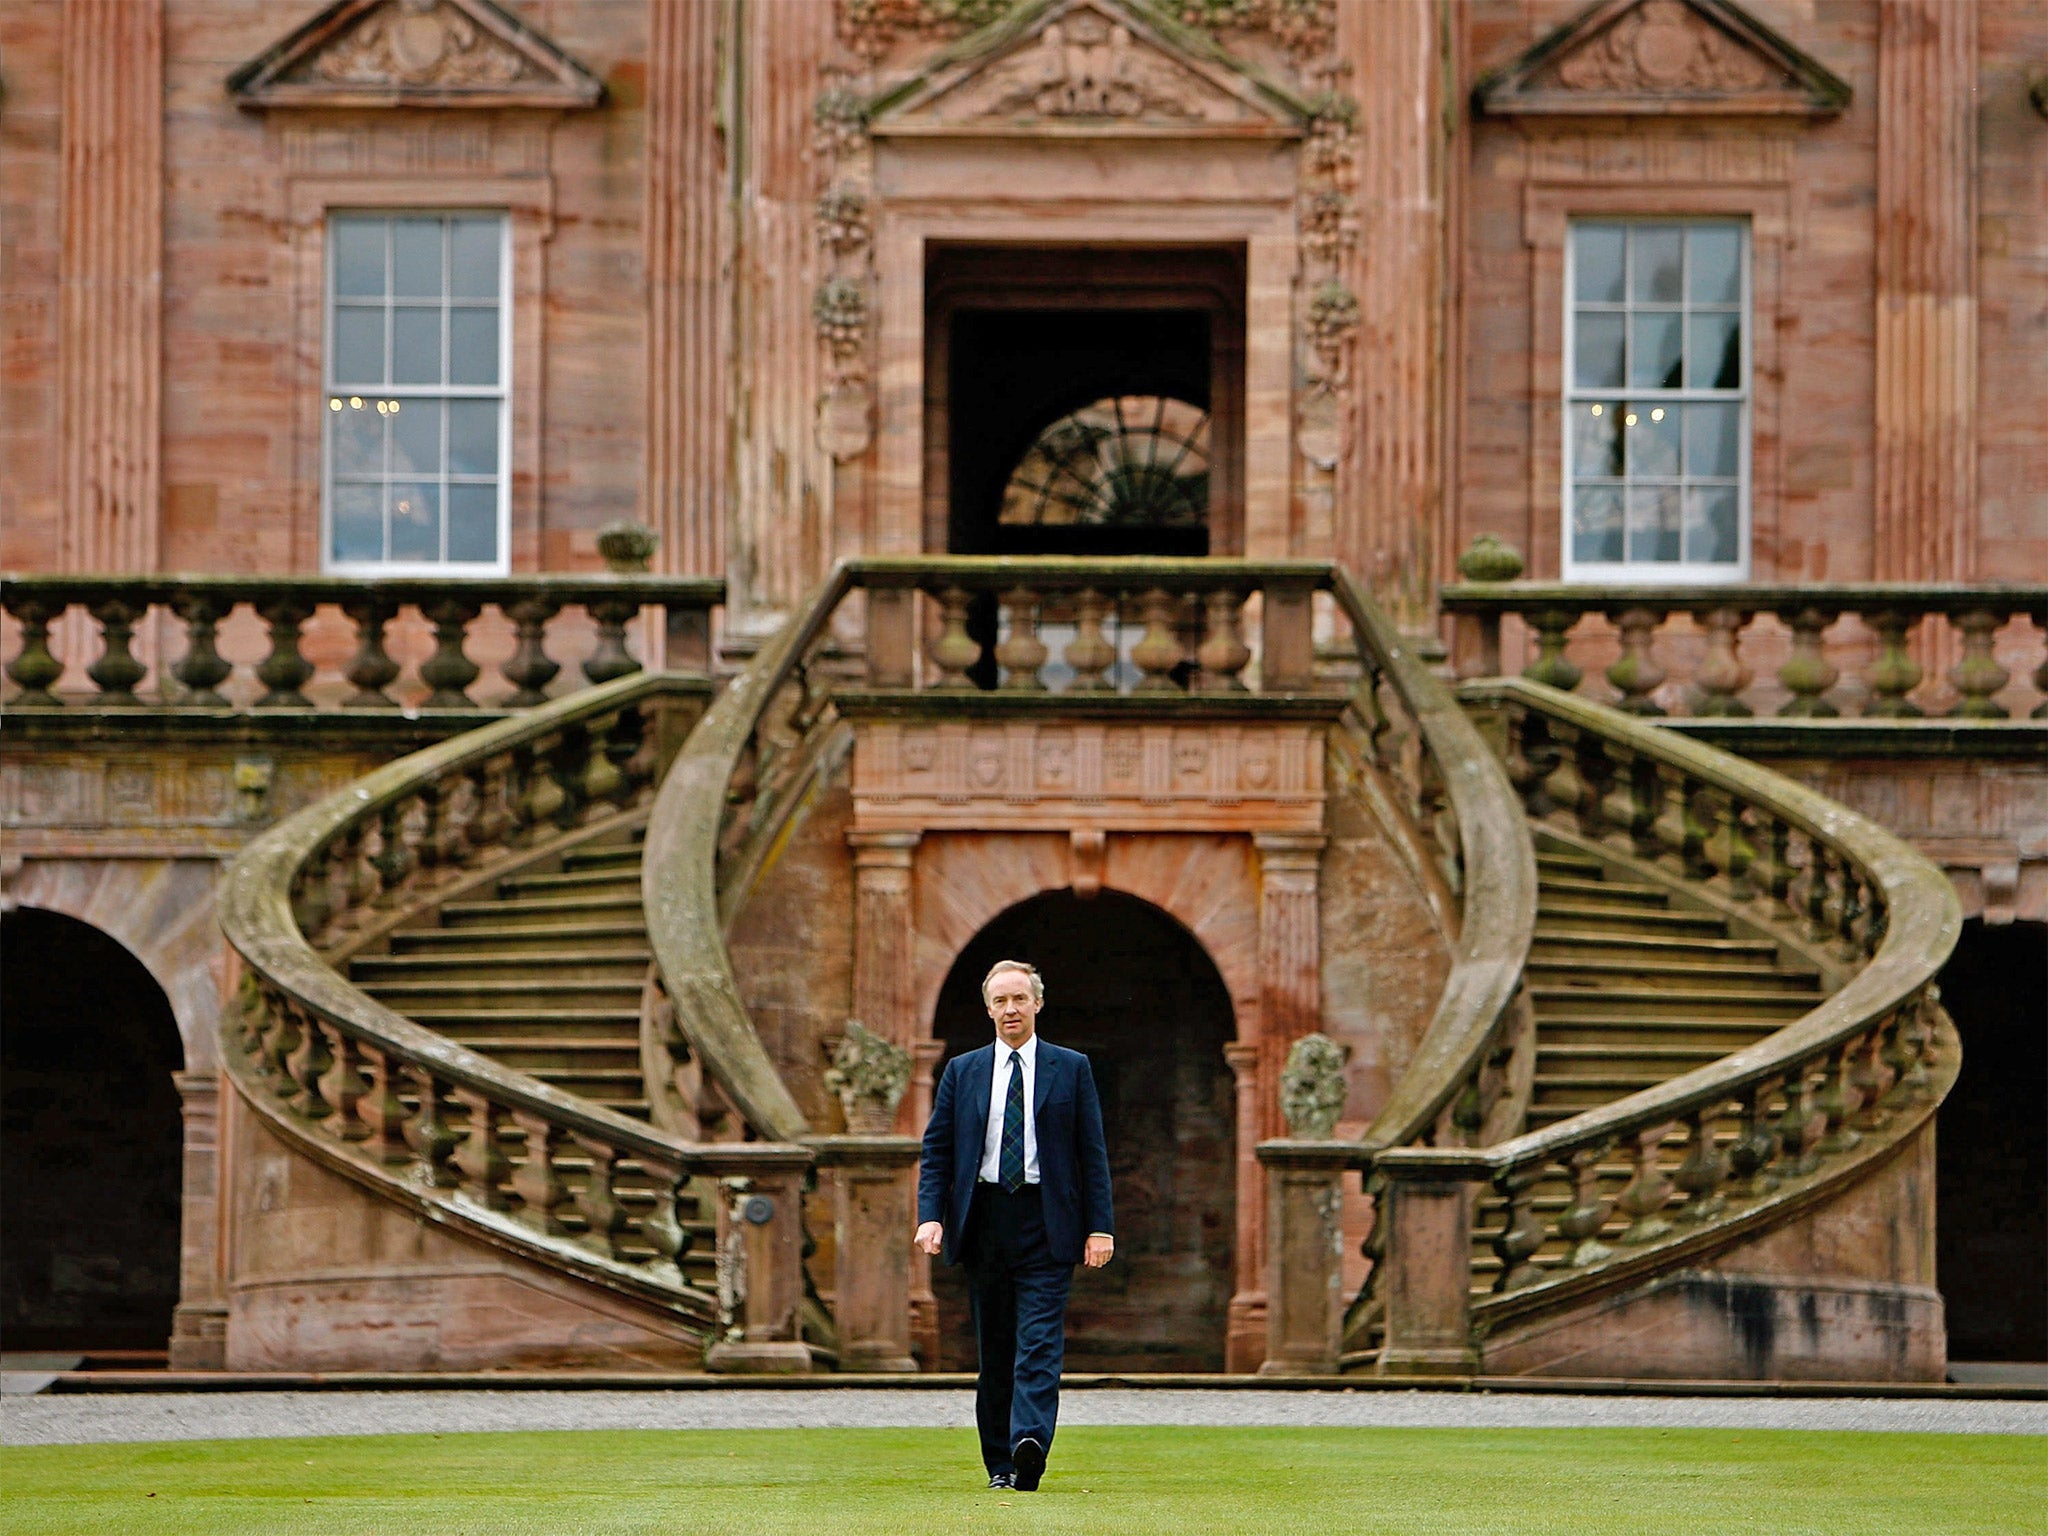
(998, 1096)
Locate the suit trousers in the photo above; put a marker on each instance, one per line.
(1019, 1298)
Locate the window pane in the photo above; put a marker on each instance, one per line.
(473, 346)
(1596, 441)
(1597, 251)
(358, 438)
(472, 437)
(473, 255)
(416, 258)
(1652, 439)
(416, 346)
(1653, 528)
(1714, 351)
(415, 521)
(416, 437)
(1596, 523)
(1597, 349)
(1654, 358)
(1710, 524)
(472, 522)
(1716, 275)
(1657, 265)
(358, 523)
(358, 346)
(1713, 440)
(359, 258)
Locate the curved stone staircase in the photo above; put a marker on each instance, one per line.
(1689, 1002)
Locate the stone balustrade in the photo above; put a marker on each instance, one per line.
(222, 642)
(1875, 651)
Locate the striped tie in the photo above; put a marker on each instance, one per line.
(1012, 1163)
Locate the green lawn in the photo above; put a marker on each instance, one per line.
(1185, 1482)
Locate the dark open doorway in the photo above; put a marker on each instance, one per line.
(1135, 991)
(90, 1141)
(1991, 1194)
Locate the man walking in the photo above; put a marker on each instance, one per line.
(1015, 1173)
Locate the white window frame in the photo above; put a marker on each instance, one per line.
(1624, 573)
(502, 392)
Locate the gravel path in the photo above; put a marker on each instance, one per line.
(83, 1418)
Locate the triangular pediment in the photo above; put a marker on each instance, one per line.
(1662, 57)
(414, 53)
(1092, 66)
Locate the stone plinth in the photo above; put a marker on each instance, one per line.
(1304, 1254)
(760, 1259)
(871, 1221)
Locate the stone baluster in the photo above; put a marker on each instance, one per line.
(1021, 653)
(1977, 676)
(537, 1181)
(1696, 825)
(34, 669)
(521, 794)
(1778, 873)
(2040, 711)
(530, 669)
(371, 669)
(1596, 772)
(1735, 853)
(305, 1066)
(487, 823)
(383, 1108)
(342, 1085)
(954, 652)
(1750, 1154)
(280, 1041)
(1635, 673)
(312, 896)
(1895, 673)
(1551, 666)
(1158, 651)
(1586, 1213)
(481, 1156)
(1838, 1101)
(1646, 791)
(1089, 653)
(1910, 1036)
(1722, 676)
(606, 1223)
(449, 671)
(1797, 1155)
(116, 672)
(1819, 872)
(1643, 1199)
(568, 764)
(611, 659)
(202, 669)
(284, 671)
(1807, 673)
(1869, 1078)
(1848, 938)
(1701, 1171)
(394, 858)
(429, 1133)
(660, 1228)
(1523, 1233)
(1222, 655)
(430, 849)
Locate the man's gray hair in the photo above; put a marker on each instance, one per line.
(1025, 966)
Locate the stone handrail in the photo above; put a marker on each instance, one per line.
(1768, 1128)
(407, 1111)
(180, 623)
(1709, 672)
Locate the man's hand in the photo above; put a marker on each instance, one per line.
(932, 1236)
(1099, 1250)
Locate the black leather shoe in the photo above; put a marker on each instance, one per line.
(1030, 1459)
(1003, 1480)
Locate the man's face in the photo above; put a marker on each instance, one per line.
(1012, 1007)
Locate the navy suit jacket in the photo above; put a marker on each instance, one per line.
(1073, 1160)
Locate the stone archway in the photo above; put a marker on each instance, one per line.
(1132, 989)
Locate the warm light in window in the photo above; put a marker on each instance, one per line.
(1657, 414)
(1629, 420)
(334, 405)
(1598, 410)
(355, 402)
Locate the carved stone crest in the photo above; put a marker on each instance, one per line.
(869, 1075)
(1312, 1087)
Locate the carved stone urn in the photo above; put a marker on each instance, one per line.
(1312, 1087)
(1490, 560)
(870, 1075)
(627, 547)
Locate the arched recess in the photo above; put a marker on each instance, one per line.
(1133, 989)
(91, 1141)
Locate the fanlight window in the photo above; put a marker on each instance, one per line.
(1125, 461)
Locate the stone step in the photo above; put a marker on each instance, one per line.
(1578, 865)
(604, 858)
(465, 1028)
(1588, 972)
(1618, 893)
(527, 939)
(1551, 944)
(459, 992)
(454, 1020)
(595, 882)
(564, 964)
(470, 914)
(541, 1057)
(1669, 1002)
(1580, 917)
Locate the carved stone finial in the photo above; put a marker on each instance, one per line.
(1490, 559)
(870, 1075)
(627, 546)
(1312, 1087)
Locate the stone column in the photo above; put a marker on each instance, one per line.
(110, 284)
(199, 1326)
(1290, 954)
(1305, 1255)
(924, 1303)
(1244, 1344)
(884, 982)
(760, 1257)
(872, 1222)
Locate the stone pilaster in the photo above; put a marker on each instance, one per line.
(1926, 472)
(110, 284)
(199, 1326)
(1290, 955)
(685, 236)
(1244, 1342)
(924, 1304)
(884, 972)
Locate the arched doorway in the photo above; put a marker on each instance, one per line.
(1129, 986)
(90, 1141)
